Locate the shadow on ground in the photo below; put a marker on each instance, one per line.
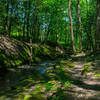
(21, 83)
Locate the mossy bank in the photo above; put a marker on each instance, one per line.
(14, 52)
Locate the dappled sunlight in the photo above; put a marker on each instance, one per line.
(47, 79)
(49, 49)
(30, 81)
(75, 78)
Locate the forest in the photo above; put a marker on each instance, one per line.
(49, 49)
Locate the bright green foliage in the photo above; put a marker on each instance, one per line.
(49, 21)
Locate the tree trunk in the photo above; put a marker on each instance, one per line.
(80, 31)
(24, 28)
(71, 27)
(6, 19)
(28, 14)
(98, 27)
(10, 21)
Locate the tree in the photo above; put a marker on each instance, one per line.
(28, 18)
(98, 27)
(47, 20)
(79, 19)
(71, 27)
(6, 19)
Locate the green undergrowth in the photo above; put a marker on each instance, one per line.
(48, 86)
(93, 57)
(9, 61)
(33, 85)
(86, 69)
(97, 74)
(67, 63)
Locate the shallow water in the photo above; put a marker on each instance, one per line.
(21, 73)
(14, 76)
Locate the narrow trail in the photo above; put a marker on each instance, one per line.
(84, 87)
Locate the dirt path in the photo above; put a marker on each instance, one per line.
(84, 87)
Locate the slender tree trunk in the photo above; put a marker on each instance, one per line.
(10, 21)
(88, 30)
(28, 14)
(6, 19)
(24, 28)
(71, 27)
(98, 27)
(80, 31)
(48, 32)
(36, 25)
(49, 28)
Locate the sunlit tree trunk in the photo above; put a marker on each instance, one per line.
(71, 27)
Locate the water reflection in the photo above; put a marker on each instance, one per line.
(14, 76)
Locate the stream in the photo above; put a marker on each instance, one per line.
(83, 87)
(16, 75)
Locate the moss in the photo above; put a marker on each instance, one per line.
(86, 69)
(97, 73)
(37, 93)
(7, 63)
(66, 63)
(28, 97)
(16, 62)
(37, 59)
(57, 67)
(67, 84)
(20, 53)
(4, 60)
(52, 85)
(38, 96)
(12, 60)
